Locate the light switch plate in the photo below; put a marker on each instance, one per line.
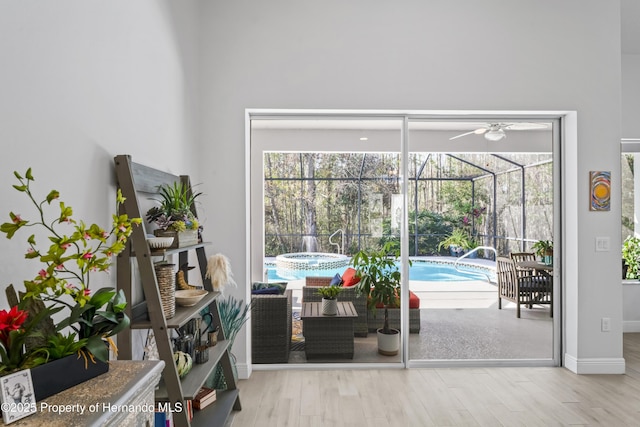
(603, 244)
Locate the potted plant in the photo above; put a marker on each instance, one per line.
(175, 216)
(544, 249)
(631, 257)
(87, 318)
(329, 299)
(458, 242)
(380, 280)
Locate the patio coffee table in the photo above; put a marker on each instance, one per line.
(328, 336)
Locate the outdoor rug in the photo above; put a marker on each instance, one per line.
(297, 339)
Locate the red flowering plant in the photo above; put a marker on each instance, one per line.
(76, 250)
(14, 330)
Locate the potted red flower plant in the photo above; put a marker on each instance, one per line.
(28, 335)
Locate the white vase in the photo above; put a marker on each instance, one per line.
(329, 307)
(388, 344)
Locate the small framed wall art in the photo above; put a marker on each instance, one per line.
(600, 190)
(18, 397)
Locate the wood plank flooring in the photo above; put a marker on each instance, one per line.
(442, 397)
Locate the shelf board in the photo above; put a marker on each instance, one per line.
(198, 374)
(170, 251)
(217, 413)
(182, 316)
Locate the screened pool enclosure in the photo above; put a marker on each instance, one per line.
(344, 202)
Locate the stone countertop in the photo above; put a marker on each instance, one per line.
(100, 400)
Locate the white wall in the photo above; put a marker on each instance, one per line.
(410, 54)
(82, 81)
(631, 96)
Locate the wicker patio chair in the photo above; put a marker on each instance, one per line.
(376, 320)
(522, 290)
(309, 294)
(271, 328)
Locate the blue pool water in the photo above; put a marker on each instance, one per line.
(420, 270)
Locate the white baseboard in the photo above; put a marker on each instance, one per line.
(631, 326)
(595, 365)
(244, 371)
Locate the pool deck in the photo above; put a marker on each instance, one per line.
(468, 294)
(433, 295)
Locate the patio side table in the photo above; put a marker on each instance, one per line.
(328, 336)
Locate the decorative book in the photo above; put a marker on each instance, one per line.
(204, 397)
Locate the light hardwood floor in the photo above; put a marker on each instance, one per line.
(443, 397)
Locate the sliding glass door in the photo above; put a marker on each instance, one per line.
(446, 194)
(323, 189)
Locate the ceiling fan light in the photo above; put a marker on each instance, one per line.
(495, 135)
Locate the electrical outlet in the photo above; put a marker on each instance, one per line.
(606, 324)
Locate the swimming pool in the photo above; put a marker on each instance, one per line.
(423, 270)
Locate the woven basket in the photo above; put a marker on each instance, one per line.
(167, 285)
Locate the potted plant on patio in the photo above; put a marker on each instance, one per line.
(329, 299)
(458, 242)
(380, 280)
(544, 249)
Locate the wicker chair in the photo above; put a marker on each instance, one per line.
(309, 294)
(522, 290)
(271, 328)
(367, 321)
(376, 320)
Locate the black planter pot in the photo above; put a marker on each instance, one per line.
(61, 374)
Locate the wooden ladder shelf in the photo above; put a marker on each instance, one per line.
(134, 179)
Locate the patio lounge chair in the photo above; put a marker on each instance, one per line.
(527, 289)
(367, 321)
(271, 328)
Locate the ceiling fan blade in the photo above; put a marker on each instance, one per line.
(477, 132)
(525, 126)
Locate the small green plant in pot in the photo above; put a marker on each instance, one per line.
(631, 257)
(458, 241)
(329, 299)
(175, 213)
(380, 280)
(329, 292)
(544, 249)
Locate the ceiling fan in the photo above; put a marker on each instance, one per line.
(496, 131)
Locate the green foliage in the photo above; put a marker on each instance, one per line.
(431, 226)
(458, 237)
(329, 292)
(60, 345)
(176, 208)
(380, 278)
(76, 251)
(86, 248)
(631, 256)
(101, 317)
(16, 326)
(543, 247)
